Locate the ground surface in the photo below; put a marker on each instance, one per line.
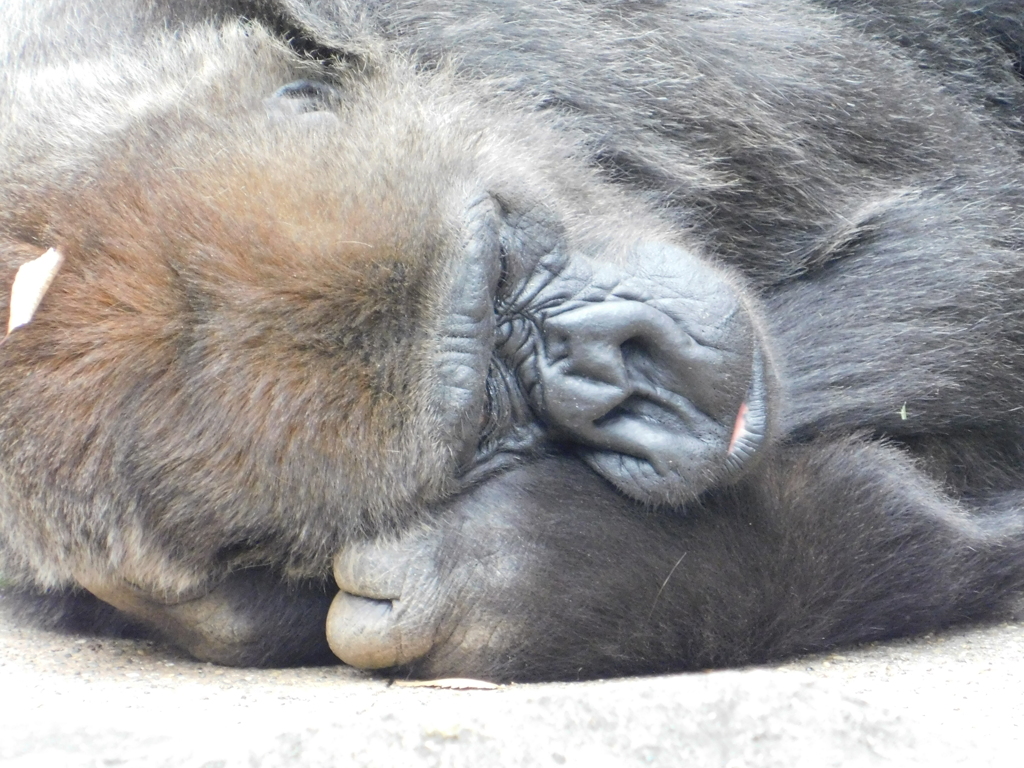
(953, 699)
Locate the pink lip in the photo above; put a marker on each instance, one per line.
(739, 428)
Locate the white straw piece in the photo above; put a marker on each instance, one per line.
(30, 285)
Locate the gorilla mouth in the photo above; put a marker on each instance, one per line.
(739, 429)
(751, 425)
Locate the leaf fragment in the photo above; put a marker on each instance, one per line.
(30, 285)
(451, 683)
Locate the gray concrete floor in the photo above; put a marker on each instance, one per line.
(951, 699)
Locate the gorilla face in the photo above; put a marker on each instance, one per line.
(344, 301)
(640, 356)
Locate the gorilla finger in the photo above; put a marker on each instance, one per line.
(387, 612)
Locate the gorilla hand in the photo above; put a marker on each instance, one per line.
(522, 578)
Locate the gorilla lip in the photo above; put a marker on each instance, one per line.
(739, 428)
(750, 426)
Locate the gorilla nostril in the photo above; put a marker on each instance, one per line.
(633, 348)
(627, 409)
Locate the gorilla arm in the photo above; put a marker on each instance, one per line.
(547, 573)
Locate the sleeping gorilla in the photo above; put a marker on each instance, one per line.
(585, 338)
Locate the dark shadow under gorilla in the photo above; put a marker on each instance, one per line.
(586, 339)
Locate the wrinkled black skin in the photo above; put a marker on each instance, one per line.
(884, 252)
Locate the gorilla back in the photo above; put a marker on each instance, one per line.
(580, 339)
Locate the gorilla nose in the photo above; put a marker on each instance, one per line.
(647, 373)
(599, 355)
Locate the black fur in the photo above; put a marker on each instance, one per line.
(843, 183)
